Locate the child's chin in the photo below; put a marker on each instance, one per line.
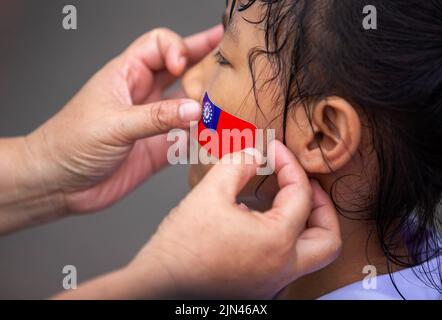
(259, 194)
(255, 196)
(253, 203)
(196, 174)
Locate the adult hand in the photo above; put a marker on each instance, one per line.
(209, 246)
(106, 140)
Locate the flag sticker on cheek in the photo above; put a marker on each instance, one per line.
(221, 133)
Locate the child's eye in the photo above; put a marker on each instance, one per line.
(221, 60)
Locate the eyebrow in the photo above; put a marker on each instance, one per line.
(230, 27)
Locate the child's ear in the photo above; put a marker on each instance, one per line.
(328, 139)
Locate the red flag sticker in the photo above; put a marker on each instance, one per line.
(221, 133)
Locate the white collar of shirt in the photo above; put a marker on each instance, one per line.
(408, 283)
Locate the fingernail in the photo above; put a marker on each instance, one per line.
(315, 182)
(181, 61)
(254, 153)
(217, 29)
(190, 111)
(243, 207)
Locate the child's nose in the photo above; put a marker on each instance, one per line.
(196, 81)
(193, 83)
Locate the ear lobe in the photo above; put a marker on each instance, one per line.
(335, 138)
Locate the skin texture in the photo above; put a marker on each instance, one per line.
(230, 88)
(110, 137)
(196, 253)
(336, 133)
(107, 140)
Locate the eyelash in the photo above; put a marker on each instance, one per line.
(221, 60)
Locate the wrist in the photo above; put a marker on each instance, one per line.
(150, 278)
(171, 275)
(134, 282)
(26, 196)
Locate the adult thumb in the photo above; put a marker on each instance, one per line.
(231, 174)
(139, 122)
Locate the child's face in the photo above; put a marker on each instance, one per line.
(226, 76)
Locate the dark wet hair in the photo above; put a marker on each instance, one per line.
(393, 76)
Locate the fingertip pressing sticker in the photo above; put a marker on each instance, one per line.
(221, 133)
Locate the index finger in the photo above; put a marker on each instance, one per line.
(294, 200)
(201, 44)
(162, 48)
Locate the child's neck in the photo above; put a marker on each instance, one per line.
(360, 248)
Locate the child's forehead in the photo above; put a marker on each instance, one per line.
(230, 23)
(237, 22)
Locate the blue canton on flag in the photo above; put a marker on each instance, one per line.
(211, 114)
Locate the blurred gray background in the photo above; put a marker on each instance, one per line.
(41, 67)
